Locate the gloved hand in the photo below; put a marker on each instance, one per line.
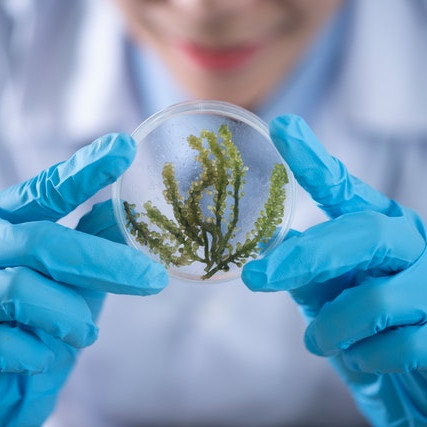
(361, 280)
(53, 279)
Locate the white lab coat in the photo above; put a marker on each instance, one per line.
(202, 354)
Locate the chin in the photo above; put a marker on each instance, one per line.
(226, 94)
(228, 88)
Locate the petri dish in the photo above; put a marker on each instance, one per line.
(169, 203)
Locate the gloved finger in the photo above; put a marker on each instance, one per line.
(94, 300)
(58, 190)
(398, 350)
(100, 221)
(308, 297)
(292, 233)
(79, 259)
(312, 297)
(366, 241)
(323, 176)
(21, 352)
(363, 311)
(31, 299)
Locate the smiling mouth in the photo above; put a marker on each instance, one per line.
(227, 58)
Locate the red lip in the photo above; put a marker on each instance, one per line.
(218, 59)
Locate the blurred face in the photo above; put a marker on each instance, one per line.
(231, 50)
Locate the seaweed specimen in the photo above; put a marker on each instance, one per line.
(207, 235)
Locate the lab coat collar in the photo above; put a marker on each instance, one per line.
(383, 88)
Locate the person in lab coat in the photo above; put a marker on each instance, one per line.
(214, 355)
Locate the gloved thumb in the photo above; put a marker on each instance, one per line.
(323, 176)
(100, 221)
(59, 189)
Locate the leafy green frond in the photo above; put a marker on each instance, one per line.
(206, 237)
(176, 200)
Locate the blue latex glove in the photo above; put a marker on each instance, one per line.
(53, 279)
(361, 280)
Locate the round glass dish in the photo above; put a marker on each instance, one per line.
(191, 216)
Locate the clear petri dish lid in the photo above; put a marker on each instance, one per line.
(207, 191)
